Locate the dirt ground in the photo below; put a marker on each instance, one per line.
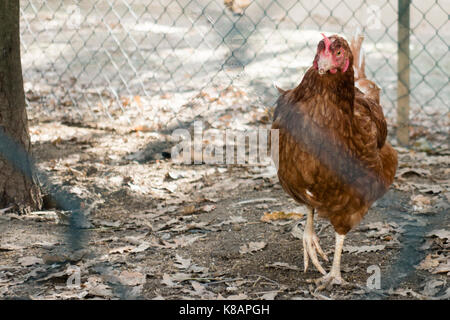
(155, 229)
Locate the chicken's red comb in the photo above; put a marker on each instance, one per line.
(327, 42)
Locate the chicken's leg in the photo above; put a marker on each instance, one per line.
(334, 276)
(311, 244)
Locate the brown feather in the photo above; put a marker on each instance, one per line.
(333, 154)
(367, 87)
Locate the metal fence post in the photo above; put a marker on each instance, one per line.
(403, 65)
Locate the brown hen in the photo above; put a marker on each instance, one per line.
(333, 155)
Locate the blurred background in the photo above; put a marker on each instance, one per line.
(125, 60)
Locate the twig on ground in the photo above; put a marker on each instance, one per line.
(5, 209)
(265, 278)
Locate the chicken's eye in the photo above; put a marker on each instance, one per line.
(338, 53)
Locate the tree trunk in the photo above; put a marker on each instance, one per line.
(18, 185)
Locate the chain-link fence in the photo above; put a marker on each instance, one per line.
(106, 57)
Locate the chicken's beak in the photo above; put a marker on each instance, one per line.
(325, 63)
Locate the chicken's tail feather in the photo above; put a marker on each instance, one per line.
(281, 91)
(368, 87)
(359, 61)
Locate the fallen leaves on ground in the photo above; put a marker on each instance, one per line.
(30, 260)
(421, 203)
(280, 215)
(252, 247)
(435, 263)
(440, 233)
(283, 265)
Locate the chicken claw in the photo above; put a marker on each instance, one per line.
(311, 245)
(334, 276)
(329, 280)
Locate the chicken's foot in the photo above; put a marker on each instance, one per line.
(334, 276)
(311, 244)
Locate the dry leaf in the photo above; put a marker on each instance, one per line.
(297, 232)
(168, 281)
(197, 269)
(420, 202)
(141, 128)
(121, 249)
(208, 208)
(197, 225)
(428, 263)
(271, 216)
(427, 245)
(59, 274)
(172, 187)
(405, 173)
(182, 241)
(432, 287)
(445, 296)
(283, 265)
(10, 247)
(269, 295)
(381, 230)
(189, 210)
(166, 224)
(141, 248)
(252, 247)
(429, 188)
(96, 287)
(132, 278)
(441, 234)
(174, 175)
(354, 249)
(407, 292)
(182, 263)
(105, 223)
(233, 219)
(198, 287)
(443, 268)
(236, 219)
(29, 261)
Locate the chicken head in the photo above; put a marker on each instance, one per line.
(332, 55)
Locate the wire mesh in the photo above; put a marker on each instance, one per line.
(106, 57)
